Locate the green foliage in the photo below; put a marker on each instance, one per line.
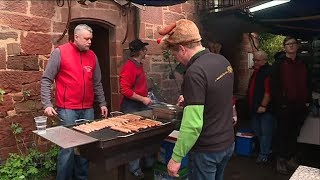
(26, 93)
(35, 165)
(2, 92)
(271, 44)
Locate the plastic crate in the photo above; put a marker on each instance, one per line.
(160, 173)
(244, 143)
(166, 150)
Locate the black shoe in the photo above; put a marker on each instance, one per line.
(262, 160)
(139, 174)
(282, 167)
(292, 164)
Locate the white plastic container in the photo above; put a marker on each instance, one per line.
(41, 124)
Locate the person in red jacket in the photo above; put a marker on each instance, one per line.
(133, 85)
(76, 72)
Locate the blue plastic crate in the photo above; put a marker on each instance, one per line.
(244, 143)
(166, 150)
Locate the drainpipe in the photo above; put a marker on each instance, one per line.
(137, 22)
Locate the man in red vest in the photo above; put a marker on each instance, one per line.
(76, 72)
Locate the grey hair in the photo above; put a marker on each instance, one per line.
(82, 27)
(262, 54)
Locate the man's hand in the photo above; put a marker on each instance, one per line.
(261, 109)
(49, 111)
(180, 100)
(104, 111)
(173, 168)
(146, 101)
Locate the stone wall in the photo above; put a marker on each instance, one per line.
(28, 33)
(158, 68)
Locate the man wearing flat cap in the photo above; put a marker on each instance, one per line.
(206, 131)
(133, 86)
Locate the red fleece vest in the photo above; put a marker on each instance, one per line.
(74, 82)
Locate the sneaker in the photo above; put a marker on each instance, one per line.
(292, 164)
(282, 167)
(139, 174)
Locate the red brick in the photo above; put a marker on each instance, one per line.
(11, 81)
(43, 8)
(25, 63)
(120, 34)
(154, 78)
(115, 102)
(55, 39)
(115, 85)
(114, 7)
(14, 6)
(6, 150)
(142, 33)
(176, 8)
(59, 27)
(26, 23)
(28, 106)
(112, 17)
(168, 84)
(171, 17)
(102, 5)
(146, 64)
(155, 58)
(32, 88)
(6, 105)
(76, 13)
(7, 35)
(149, 34)
(115, 65)
(35, 43)
(152, 15)
(153, 47)
(3, 58)
(13, 49)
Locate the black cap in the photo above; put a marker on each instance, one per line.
(136, 45)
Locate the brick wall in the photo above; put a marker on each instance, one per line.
(153, 19)
(28, 34)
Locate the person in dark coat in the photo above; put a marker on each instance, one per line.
(259, 103)
(291, 94)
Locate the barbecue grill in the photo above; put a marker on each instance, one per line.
(108, 149)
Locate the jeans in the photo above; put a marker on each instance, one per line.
(263, 128)
(208, 166)
(129, 106)
(70, 165)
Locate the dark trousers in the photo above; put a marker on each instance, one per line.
(129, 106)
(289, 122)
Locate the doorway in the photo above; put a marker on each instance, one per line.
(100, 46)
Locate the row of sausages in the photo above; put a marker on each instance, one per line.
(126, 123)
